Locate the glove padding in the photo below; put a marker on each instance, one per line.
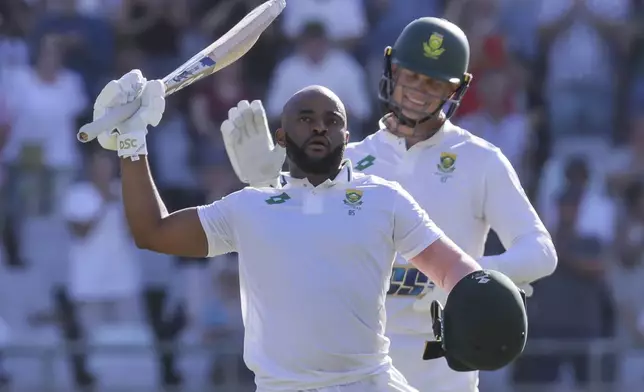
(256, 160)
(129, 136)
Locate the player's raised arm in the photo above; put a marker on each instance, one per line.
(182, 233)
(422, 243)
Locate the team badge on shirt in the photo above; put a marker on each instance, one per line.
(353, 198)
(446, 164)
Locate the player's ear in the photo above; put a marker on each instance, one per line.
(346, 137)
(280, 137)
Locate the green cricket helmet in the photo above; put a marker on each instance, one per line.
(484, 325)
(432, 47)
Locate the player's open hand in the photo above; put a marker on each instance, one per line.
(257, 161)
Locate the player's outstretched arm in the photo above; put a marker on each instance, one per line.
(445, 263)
(421, 242)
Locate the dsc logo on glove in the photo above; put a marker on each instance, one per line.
(127, 143)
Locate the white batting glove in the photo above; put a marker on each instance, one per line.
(257, 161)
(129, 136)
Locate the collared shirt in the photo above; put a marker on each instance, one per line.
(315, 263)
(466, 185)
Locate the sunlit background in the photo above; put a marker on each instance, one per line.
(558, 86)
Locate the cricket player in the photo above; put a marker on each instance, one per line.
(465, 184)
(315, 253)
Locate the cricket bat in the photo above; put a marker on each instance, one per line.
(223, 52)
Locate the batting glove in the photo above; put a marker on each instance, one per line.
(129, 136)
(257, 161)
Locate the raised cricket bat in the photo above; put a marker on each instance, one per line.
(223, 52)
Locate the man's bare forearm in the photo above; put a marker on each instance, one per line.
(144, 208)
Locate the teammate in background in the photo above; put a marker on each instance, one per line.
(466, 185)
(315, 253)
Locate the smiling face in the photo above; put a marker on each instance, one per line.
(418, 95)
(314, 130)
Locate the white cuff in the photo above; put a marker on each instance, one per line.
(132, 144)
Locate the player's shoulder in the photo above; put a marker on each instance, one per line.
(249, 195)
(464, 141)
(370, 144)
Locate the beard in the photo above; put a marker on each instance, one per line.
(326, 164)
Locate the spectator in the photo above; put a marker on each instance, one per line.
(584, 42)
(627, 287)
(575, 316)
(41, 150)
(510, 130)
(627, 166)
(103, 276)
(635, 80)
(154, 26)
(596, 210)
(344, 20)
(14, 18)
(86, 42)
(224, 325)
(480, 20)
(316, 62)
(210, 104)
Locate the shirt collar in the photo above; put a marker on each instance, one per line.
(446, 129)
(345, 176)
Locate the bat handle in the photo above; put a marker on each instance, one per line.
(108, 122)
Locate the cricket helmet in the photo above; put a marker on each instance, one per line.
(484, 325)
(433, 47)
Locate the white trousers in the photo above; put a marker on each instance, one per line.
(390, 381)
(406, 352)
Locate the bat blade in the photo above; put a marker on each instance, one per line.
(223, 52)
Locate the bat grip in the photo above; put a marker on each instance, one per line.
(108, 122)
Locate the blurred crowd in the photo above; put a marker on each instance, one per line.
(558, 86)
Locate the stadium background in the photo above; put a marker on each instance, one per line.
(559, 87)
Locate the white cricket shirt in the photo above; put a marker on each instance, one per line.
(466, 185)
(315, 264)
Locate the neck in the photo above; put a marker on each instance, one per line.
(314, 179)
(415, 135)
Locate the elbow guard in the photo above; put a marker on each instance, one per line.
(484, 325)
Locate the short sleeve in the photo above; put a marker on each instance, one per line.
(217, 222)
(413, 230)
(82, 203)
